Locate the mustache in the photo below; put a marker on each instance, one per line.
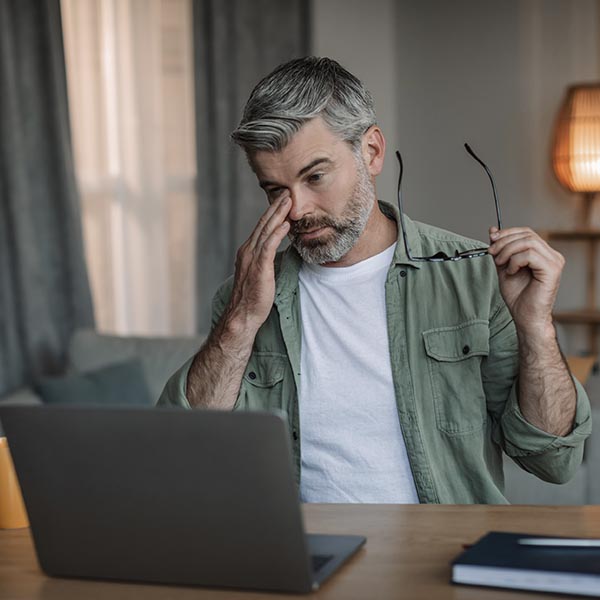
(311, 223)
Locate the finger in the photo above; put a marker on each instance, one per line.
(246, 261)
(271, 243)
(275, 208)
(498, 234)
(528, 259)
(538, 265)
(242, 258)
(497, 246)
(503, 254)
(273, 223)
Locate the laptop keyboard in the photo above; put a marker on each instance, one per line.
(319, 561)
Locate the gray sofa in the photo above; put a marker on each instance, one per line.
(160, 357)
(88, 350)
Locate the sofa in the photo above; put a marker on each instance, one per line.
(89, 351)
(160, 357)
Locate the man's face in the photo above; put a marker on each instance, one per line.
(331, 190)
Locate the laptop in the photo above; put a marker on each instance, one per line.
(169, 496)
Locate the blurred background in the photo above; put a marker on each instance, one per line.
(122, 201)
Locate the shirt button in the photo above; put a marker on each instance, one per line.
(252, 375)
(295, 435)
(402, 273)
(466, 350)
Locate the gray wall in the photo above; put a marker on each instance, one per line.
(490, 73)
(361, 36)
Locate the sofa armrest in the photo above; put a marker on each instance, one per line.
(160, 356)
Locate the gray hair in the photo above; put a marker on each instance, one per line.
(298, 91)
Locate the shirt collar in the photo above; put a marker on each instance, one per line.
(412, 235)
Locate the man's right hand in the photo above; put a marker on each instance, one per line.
(254, 282)
(216, 373)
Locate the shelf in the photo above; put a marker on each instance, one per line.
(589, 315)
(574, 234)
(583, 316)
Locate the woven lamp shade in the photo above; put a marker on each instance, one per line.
(576, 156)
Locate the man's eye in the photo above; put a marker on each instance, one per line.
(274, 192)
(315, 177)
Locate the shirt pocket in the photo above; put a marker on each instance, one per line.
(263, 382)
(454, 356)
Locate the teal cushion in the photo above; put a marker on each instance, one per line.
(121, 383)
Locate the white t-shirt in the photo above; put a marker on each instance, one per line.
(352, 444)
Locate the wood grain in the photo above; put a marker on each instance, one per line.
(407, 555)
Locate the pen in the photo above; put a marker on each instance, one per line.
(561, 542)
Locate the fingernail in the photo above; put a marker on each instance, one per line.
(494, 235)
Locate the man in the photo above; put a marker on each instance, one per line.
(403, 381)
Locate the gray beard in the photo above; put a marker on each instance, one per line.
(346, 229)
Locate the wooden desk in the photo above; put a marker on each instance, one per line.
(407, 554)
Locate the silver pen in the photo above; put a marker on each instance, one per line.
(561, 542)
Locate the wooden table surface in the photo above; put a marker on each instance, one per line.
(407, 555)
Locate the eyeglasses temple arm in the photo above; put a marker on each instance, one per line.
(402, 222)
(470, 151)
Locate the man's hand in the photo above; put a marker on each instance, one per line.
(529, 272)
(216, 373)
(254, 282)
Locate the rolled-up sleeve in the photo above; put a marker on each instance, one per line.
(550, 457)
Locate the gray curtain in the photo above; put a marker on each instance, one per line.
(236, 43)
(44, 292)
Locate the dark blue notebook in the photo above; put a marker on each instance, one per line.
(498, 560)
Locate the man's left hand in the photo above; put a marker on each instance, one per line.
(529, 272)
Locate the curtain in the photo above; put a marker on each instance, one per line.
(236, 44)
(131, 90)
(44, 292)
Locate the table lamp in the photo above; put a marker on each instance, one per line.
(576, 154)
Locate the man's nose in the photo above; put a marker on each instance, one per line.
(301, 205)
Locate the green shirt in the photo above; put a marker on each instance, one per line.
(454, 356)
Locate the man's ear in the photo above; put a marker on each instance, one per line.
(373, 150)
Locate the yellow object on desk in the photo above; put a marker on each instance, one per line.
(581, 366)
(12, 509)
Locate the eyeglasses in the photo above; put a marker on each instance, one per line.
(442, 256)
